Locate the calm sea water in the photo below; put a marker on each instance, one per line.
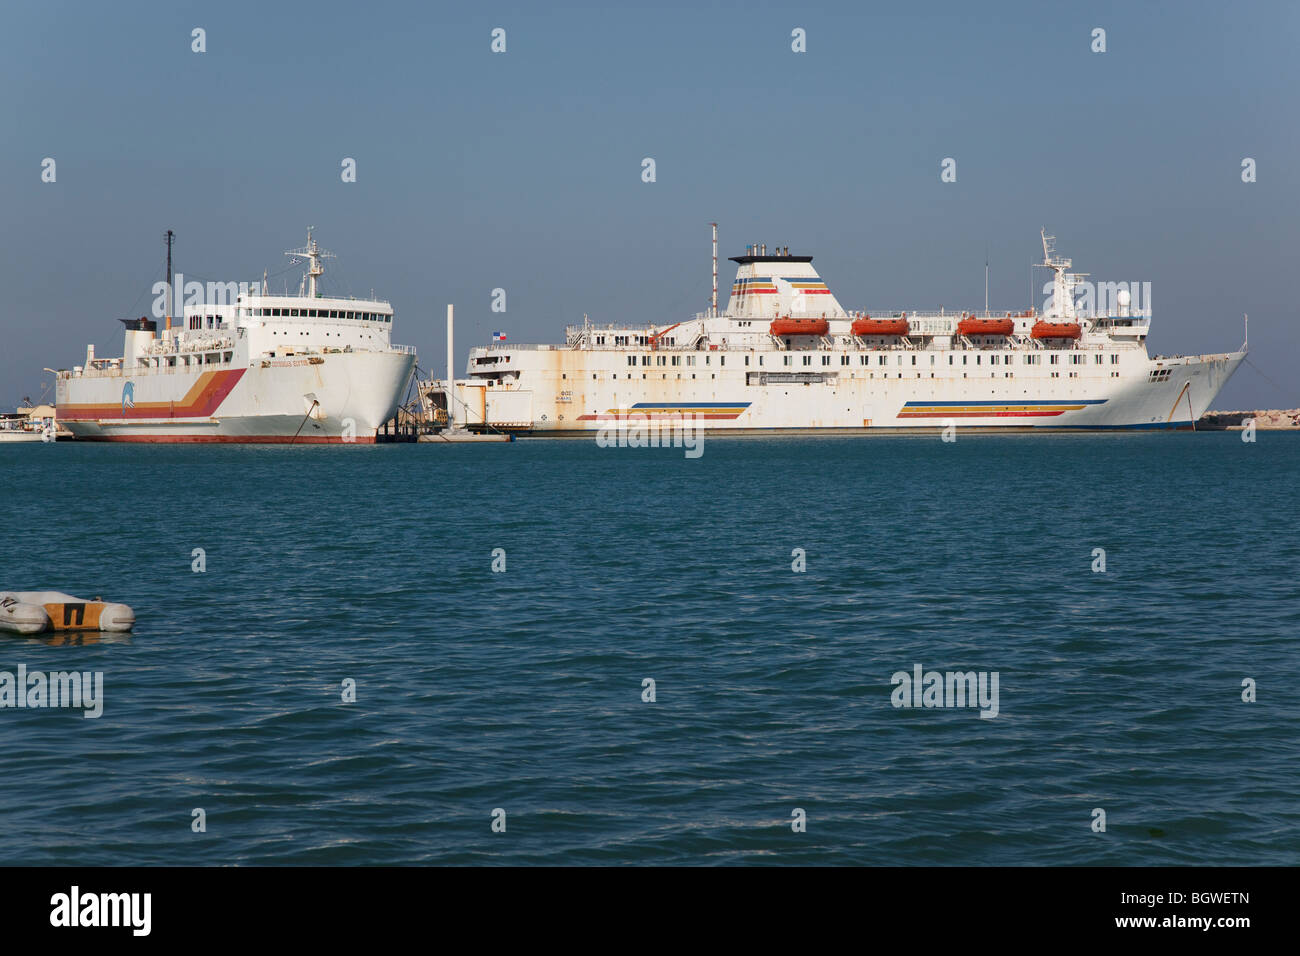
(522, 690)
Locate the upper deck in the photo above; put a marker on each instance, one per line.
(771, 290)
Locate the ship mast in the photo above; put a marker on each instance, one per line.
(313, 254)
(714, 308)
(171, 293)
(1064, 281)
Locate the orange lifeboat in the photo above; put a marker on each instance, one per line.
(1056, 330)
(800, 326)
(869, 326)
(973, 326)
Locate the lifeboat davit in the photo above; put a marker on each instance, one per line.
(1056, 330)
(870, 326)
(800, 327)
(973, 326)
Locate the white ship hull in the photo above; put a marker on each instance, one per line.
(729, 401)
(354, 394)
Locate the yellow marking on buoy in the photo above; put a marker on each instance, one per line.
(81, 616)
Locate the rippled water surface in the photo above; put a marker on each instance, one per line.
(523, 690)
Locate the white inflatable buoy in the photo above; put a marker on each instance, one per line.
(30, 612)
(18, 617)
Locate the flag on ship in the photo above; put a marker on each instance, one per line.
(498, 336)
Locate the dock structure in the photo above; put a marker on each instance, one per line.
(442, 415)
(455, 437)
(396, 430)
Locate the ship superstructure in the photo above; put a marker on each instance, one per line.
(785, 356)
(263, 368)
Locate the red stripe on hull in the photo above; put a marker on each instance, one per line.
(202, 401)
(687, 417)
(983, 415)
(228, 439)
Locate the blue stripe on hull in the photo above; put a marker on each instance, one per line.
(1146, 426)
(1009, 402)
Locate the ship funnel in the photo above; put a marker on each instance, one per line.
(770, 287)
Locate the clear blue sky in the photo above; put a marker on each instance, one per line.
(522, 170)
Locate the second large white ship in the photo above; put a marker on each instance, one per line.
(785, 357)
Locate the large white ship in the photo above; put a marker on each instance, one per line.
(786, 357)
(265, 368)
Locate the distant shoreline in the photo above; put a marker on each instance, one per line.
(1269, 419)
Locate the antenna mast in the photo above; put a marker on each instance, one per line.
(1064, 282)
(313, 254)
(714, 311)
(171, 296)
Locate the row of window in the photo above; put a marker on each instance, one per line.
(1155, 376)
(872, 375)
(994, 359)
(881, 359)
(320, 314)
(633, 340)
(677, 360)
(186, 360)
